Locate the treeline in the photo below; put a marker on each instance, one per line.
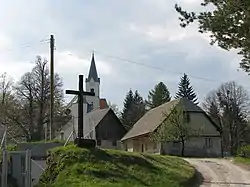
(228, 105)
(25, 104)
(135, 106)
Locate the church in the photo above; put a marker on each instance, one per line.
(100, 121)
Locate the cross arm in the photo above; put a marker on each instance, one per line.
(89, 93)
(73, 92)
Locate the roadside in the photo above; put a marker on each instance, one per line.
(243, 162)
(220, 172)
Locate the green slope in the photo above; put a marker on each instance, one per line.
(72, 166)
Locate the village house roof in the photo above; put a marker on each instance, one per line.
(153, 118)
(97, 115)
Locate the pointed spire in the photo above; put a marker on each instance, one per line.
(92, 71)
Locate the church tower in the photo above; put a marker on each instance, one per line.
(93, 84)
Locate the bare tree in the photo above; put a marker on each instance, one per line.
(229, 105)
(30, 111)
(5, 87)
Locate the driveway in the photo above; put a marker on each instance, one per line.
(220, 172)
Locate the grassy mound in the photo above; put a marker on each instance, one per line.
(72, 166)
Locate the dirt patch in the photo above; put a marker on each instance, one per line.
(220, 172)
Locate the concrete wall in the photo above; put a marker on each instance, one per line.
(38, 150)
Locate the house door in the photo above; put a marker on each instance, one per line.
(142, 147)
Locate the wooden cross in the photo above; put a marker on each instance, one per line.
(80, 93)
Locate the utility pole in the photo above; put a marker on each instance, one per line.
(52, 46)
(4, 159)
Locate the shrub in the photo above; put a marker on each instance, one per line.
(244, 151)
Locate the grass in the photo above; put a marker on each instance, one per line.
(71, 166)
(242, 160)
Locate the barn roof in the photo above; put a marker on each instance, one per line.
(153, 118)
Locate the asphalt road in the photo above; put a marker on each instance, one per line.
(220, 173)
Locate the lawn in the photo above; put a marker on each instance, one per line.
(72, 166)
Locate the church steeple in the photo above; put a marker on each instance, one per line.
(92, 71)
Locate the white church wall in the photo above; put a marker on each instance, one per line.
(93, 85)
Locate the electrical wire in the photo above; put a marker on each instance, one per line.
(44, 41)
(154, 67)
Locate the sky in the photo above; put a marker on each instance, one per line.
(137, 43)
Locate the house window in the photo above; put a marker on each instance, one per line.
(114, 143)
(208, 142)
(187, 117)
(92, 90)
(99, 142)
(146, 147)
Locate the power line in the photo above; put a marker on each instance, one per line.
(45, 41)
(154, 67)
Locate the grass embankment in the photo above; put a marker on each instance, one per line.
(72, 166)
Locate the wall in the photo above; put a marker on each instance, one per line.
(107, 144)
(110, 128)
(142, 144)
(200, 121)
(38, 150)
(197, 146)
(95, 85)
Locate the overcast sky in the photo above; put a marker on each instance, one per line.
(141, 31)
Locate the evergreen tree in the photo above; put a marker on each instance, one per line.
(185, 90)
(133, 109)
(126, 114)
(159, 95)
(139, 106)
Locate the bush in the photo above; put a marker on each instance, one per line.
(244, 151)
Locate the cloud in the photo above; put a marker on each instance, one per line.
(123, 36)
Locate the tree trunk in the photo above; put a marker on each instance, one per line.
(183, 147)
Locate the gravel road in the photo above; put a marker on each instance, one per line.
(220, 172)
